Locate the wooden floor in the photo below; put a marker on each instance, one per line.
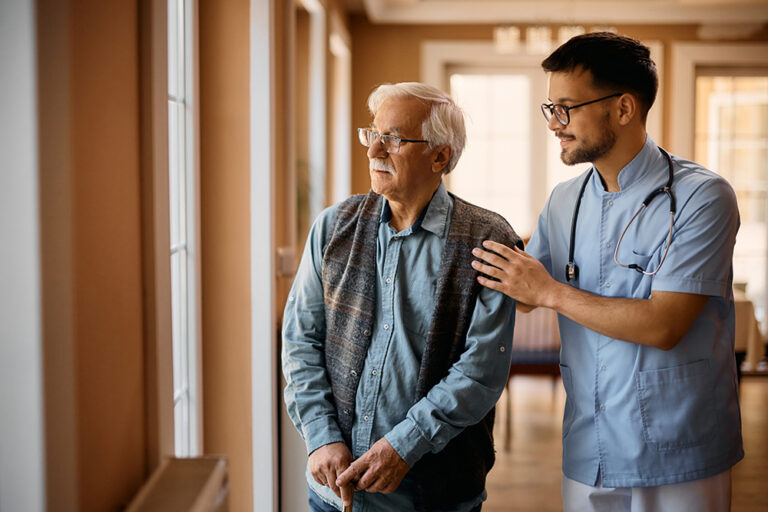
(527, 478)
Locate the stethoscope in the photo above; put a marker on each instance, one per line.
(572, 271)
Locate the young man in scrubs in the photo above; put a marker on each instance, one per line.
(652, 419)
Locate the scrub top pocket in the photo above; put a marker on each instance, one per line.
(676, 406)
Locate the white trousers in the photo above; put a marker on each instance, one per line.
(711, 494)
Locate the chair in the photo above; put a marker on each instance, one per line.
(535, 351)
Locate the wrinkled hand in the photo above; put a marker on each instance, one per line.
(520, 276)
(380, 469)
(327, 463)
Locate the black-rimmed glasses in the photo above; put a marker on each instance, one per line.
(390, 143)
(562, 112)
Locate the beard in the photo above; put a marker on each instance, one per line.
(589, 152)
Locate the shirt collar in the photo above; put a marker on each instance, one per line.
(433, 218)
(648, 160)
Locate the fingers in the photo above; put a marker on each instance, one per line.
(368, 481)
(327, 462)
(487, 269)
(351, 474)
(489, 257)
(331, 482)
(498, 248)
(490, 283)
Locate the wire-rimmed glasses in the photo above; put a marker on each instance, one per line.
(391, 143)
(562, 112)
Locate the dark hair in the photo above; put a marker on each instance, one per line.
(616, 62)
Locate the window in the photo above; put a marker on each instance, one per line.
(310, 122)
(731, 138)
(512, 171)
(183, 207)
(500, 168)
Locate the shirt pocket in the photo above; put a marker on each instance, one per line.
(570, 411)
(676, 406)
(417, 305)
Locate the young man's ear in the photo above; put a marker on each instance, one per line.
(628, 107)
(441, 157)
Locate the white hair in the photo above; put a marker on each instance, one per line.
(445, 124)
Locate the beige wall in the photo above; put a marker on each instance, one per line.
(225, 239)
(92, 293)
(391, 53)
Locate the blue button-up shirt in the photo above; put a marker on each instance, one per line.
(407, 265)
(636, 415)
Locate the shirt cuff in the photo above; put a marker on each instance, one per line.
(320, 432)
(408, 442)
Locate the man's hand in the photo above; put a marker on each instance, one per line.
(327, 463)
(520, 276)
(380, 469)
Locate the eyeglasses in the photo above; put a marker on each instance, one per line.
(563, 113)
(390, 142)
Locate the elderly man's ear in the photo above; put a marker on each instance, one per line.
(440, 158)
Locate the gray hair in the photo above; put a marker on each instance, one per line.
(445, 124)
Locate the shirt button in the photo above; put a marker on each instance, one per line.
(502, 349)
(366, 332)
(608, 244)
(354, 373)
(374, 372)
(389, 280)
(602, 408)
(610, 203)
(291, 298)
(602, 368)
(366, 417)
(386, 326)
(607, 285)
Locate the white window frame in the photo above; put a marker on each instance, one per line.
(193, 364)
(686, 57)
(264, 352)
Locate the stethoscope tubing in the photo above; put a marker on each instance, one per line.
(572, 270)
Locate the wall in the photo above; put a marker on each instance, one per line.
(391, 53)
(91, 266)
(225, 239)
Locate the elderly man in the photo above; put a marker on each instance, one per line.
(393, 354)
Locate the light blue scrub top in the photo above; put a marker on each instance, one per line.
(637, 416)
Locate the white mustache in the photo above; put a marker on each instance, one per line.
(377, 164)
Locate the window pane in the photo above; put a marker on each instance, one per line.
(182, 215)
(175, 162)
(173, 48)
(176, 318)
(732, 140)
(494, 169)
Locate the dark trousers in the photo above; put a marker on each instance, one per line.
(316, 504)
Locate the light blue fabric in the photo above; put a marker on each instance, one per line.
(407, 264)
(638, 415)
